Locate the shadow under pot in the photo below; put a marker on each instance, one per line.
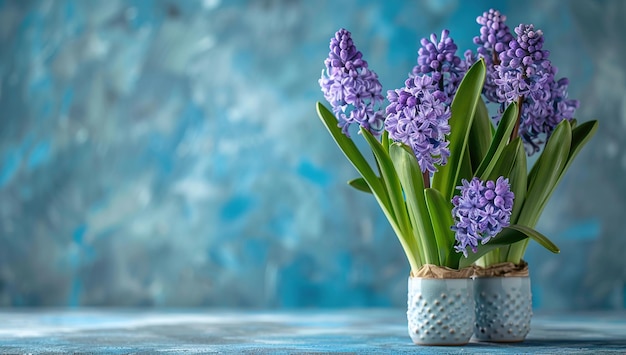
(503, 303)
(441, 310)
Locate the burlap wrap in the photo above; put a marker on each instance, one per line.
(503, 270)
(429, 271)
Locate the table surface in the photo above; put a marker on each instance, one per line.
(304, 331)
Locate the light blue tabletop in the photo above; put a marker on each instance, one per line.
(207, 331)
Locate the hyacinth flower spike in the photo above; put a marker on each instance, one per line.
(481, 211)
(519, 72)
(418, 113)
(526, 76)
(351, 88)
(494, 39)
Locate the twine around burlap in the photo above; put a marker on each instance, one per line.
(502, 270)
(430, 271)
(507, 269)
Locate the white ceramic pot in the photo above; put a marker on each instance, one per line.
(440, 311)
(503, 308)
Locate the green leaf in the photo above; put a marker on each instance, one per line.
(500, 140)
(542, 182)
(385, 141)
(390, 179)
(549, 167)
(509, 235)
(347, 146)
(580, 136)
(350, 150)
(440, 211)
(480, 135)
(360, 184)
(506, 161)
(532, 234)
(462, 113)
(517, 179)
(412, 181)
(503, 239)
(394, 189)
(508, 166)
(465, 170)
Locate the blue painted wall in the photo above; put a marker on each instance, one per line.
(167, 153)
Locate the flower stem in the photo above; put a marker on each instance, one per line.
(426, 175)
(496, 58)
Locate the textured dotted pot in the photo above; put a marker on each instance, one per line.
(503, 308)
(440, 311)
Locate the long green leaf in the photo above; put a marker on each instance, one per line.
(394, 189)
(465, 170)
(534, 235)
(506, 161)
(390, 179)
(350, 150)
(500, 140)
(580, 136)
(504, 167)
(548, 170)
(412, 182)
(360, 184)
(509, 235)
(517, 179)
(385, 141)
(440, 212)
(480, 135)
(462, 113)
(549, 167)
(501, 240)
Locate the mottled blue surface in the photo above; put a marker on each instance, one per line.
(359, 331)
(167, 153)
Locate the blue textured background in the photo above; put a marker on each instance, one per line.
(167, 153)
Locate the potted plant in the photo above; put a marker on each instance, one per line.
(519, 71)
(445, 178)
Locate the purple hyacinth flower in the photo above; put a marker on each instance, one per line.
(439, 56)
(418, 117)
(351, 88)
(481, 211)
(494, 38)
(526, 72)
(524, 68)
